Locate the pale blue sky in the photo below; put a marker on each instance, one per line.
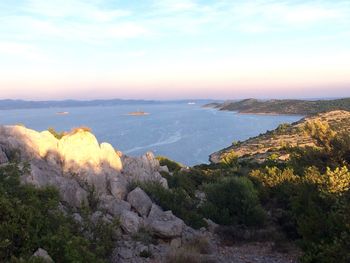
(174, 49)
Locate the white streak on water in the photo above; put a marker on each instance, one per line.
(170, 140)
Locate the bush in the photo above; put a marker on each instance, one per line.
(172, 165)
(233, 201)
(30, 218)
(177, 200)
(230, 160)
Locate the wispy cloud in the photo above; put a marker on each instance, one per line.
(159, 40)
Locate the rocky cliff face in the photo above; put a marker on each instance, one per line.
(79, 167)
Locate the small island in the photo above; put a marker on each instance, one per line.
(138, 113)
(62, 113)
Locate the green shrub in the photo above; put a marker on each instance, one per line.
(172, 165)
(230, 160)
(30, 218)
(233, 201)
(177, 200)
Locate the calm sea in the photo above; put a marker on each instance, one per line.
(182, 132)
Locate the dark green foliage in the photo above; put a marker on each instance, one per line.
(177, 200)
(233, 201)
(145, 254)
(145, 236)
(311, 202)
(172, 165)
(283, 128)
(193, 178)
(336, 153)
(30, 218)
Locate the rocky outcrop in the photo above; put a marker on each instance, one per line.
(164, 224)
(77, 165)
(80, 151)
(118, 186)
(130, 222)
(143, 168)
(88, 173)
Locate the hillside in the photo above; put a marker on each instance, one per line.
(273, 142)
(299, 107)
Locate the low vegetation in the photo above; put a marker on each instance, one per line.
(172, 165)
(31, 218)
(306, 198)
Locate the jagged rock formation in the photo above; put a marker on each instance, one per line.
(265, 145)
(81, 169)
(76, 164)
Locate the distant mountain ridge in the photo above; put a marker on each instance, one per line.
(298, 107)
(9, 104)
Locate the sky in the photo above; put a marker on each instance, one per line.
(174, 49)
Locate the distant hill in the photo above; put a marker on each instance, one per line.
(24, 104)
(261, 147)
(299, 107)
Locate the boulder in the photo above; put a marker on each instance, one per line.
(109, 157)
(112, 205)
(164, 169)
(143, 169)
(42, 174)
(43, 255)
(3, 157)
(164, 224)
(130, 222)
(71, 192)
(77, 218)
(118, 186)
(140, 201)
(211, 225)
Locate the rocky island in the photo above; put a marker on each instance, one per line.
(62, 113)
(138, 113)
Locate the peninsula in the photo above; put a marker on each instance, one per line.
(274, 106)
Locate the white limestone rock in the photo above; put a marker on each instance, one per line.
(130, 222)
(43, 255)
(140, 201)
(164, 224)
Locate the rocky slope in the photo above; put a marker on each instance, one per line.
(272, 143)
(299, 107)
(81, 168)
